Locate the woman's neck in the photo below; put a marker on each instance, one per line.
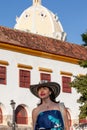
(46, 101)
(47, 104)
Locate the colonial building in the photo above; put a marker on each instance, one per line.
(28, 55)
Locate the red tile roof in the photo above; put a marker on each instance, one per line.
(41, 43)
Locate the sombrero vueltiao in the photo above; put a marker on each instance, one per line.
(55, 87)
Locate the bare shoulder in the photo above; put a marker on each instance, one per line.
(34, 111)
(34, 116)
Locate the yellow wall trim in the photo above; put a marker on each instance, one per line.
(4, 62)
(66, 73)
(38, 53)
(24, 66)
(45, 69)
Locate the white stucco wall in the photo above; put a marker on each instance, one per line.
(23, 96)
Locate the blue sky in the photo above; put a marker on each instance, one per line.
(72, 15)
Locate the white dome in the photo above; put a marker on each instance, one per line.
(38, 19)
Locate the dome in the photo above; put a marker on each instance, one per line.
(39, 20)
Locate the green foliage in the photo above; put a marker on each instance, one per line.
(83, 111)
(80, 84)
(84, 38)
(83, 63)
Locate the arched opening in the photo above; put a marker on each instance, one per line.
(69, 117)
(21, 116)
(1, 117)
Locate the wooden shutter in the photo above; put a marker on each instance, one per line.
(21, 116)
(2, 75)
(65, 84)
(24, 78)
(45, 76)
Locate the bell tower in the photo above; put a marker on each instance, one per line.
(36, 2)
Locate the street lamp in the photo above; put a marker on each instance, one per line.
(13, 118)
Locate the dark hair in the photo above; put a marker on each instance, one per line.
(52, 97)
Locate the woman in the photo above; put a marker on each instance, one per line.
(47, 115)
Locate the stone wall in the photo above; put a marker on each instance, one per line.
(9, 128)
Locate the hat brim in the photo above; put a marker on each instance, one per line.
(55, 87)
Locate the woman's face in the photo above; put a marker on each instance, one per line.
(44, 92)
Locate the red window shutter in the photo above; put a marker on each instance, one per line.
(65, 84)
(24, 78)
(84, 120)
(21, 116)
(45, 76)
(2, 75)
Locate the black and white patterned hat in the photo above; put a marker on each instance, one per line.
(55, 87)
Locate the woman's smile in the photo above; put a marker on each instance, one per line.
(42, 94)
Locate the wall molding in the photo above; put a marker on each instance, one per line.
(2, 62)
(45, 69)
(66, 73)
(28, 51)
(24, 66)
